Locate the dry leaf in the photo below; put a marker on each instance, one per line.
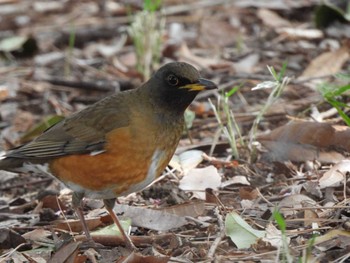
(10, 239)
(138, 258)
(197, 180)
(192, 208)
(335, 176)
(65, 253)
(187, 160)
(296, 33)
(328, 63)
(75, 225)
(248, 193)
(302, 141)
(186, 55)
(247, 64)
(272, 19)
(274, 236)
(289, 205)
(150, 218)
(237, 180)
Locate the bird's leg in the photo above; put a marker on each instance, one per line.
(77, 205)
(109, 204)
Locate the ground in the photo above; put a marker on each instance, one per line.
(261, 171)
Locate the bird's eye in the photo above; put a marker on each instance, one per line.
(173, 80)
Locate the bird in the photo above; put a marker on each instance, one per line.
(118, 145)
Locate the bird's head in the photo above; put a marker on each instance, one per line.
(176, 84)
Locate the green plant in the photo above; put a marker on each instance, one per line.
(332, 93)
(226, 120)
(277, 85)
(307, 255)
(146, 31)
(286, 256)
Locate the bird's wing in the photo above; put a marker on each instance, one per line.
(83, 132)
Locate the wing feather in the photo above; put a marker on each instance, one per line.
(82, 132)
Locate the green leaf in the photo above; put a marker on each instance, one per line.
(283, 71)
(152, 5)
(280, 221)
(240, 232)
(12, 43)
(41, 127)
(113, 230)
(233, 91)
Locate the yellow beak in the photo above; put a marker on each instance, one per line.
(202, 84)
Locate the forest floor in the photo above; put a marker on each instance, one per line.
(260, 175)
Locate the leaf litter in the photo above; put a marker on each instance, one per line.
(204, 205)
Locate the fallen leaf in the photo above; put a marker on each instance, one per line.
(336, 175)
(5, 175)
(65, 252)
(302, 141)
(199, 179)
(75, 225)
(248, 193)
(289, 205)
(10, 239)
(150, 218)
(274, 236)
(187, 160)
(236, 180)
(240, 232)
(12, 43)
(113, 230)
(138, 258)
(334, 233)
(247, 64)
(38, 234)
(297, 33)
(186, 55)
(191, 208)
(272, 19)
(327, 63)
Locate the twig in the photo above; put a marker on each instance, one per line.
(217, 241)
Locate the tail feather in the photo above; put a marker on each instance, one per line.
(9, 164)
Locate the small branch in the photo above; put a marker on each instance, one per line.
(218, 239)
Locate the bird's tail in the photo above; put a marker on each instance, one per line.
(8, 163)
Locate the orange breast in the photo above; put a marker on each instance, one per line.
(125, 162)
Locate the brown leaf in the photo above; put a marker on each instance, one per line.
(333, 238)
(138, 258)
(301, 141)
(151, 219)
(327, 63)
(336, 175)
(10, 239)
(65, 253)
(75, 225)
(201, 62)
(248, 193)
(272, 19)
(192, 208)
(290, 204)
